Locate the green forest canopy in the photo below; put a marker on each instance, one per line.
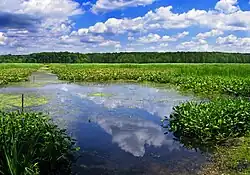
(131, 57)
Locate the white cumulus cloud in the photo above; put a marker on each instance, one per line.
(109, 5)
(49, 21)
(199, 45)
(3, 39)
(211, 33)
(234, 41)
(227, 6)
(155, 38)
(164, 18)
(54, 8)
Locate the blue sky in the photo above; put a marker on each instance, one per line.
(28, 26)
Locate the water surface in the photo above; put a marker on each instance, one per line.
(117, 126)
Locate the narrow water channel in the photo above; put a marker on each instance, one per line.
(117, 126)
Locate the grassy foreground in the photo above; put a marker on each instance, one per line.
(30, 144)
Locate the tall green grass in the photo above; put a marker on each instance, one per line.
(31, 144)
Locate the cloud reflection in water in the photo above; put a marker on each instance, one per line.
(132, 135)
(132, 129)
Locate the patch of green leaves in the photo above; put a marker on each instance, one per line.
(10, 73)
(210, 123)
(31, 144)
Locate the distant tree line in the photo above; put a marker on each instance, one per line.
(131, 57)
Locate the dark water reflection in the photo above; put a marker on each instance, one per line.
(119, 133)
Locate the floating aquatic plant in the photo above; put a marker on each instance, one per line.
(100, 94)
(8, 101)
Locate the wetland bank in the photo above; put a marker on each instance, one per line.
(118, 126)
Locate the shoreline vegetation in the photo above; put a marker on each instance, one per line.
(222, 122)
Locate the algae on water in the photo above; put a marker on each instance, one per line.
(100, 94)
(8, 101)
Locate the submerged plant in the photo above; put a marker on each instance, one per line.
(14, 101)
(100, 94)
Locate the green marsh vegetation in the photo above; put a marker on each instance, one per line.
(206, 79)
(220, 126)
(10, 73)
(221, 123)
(210, 123)
(30, 144)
